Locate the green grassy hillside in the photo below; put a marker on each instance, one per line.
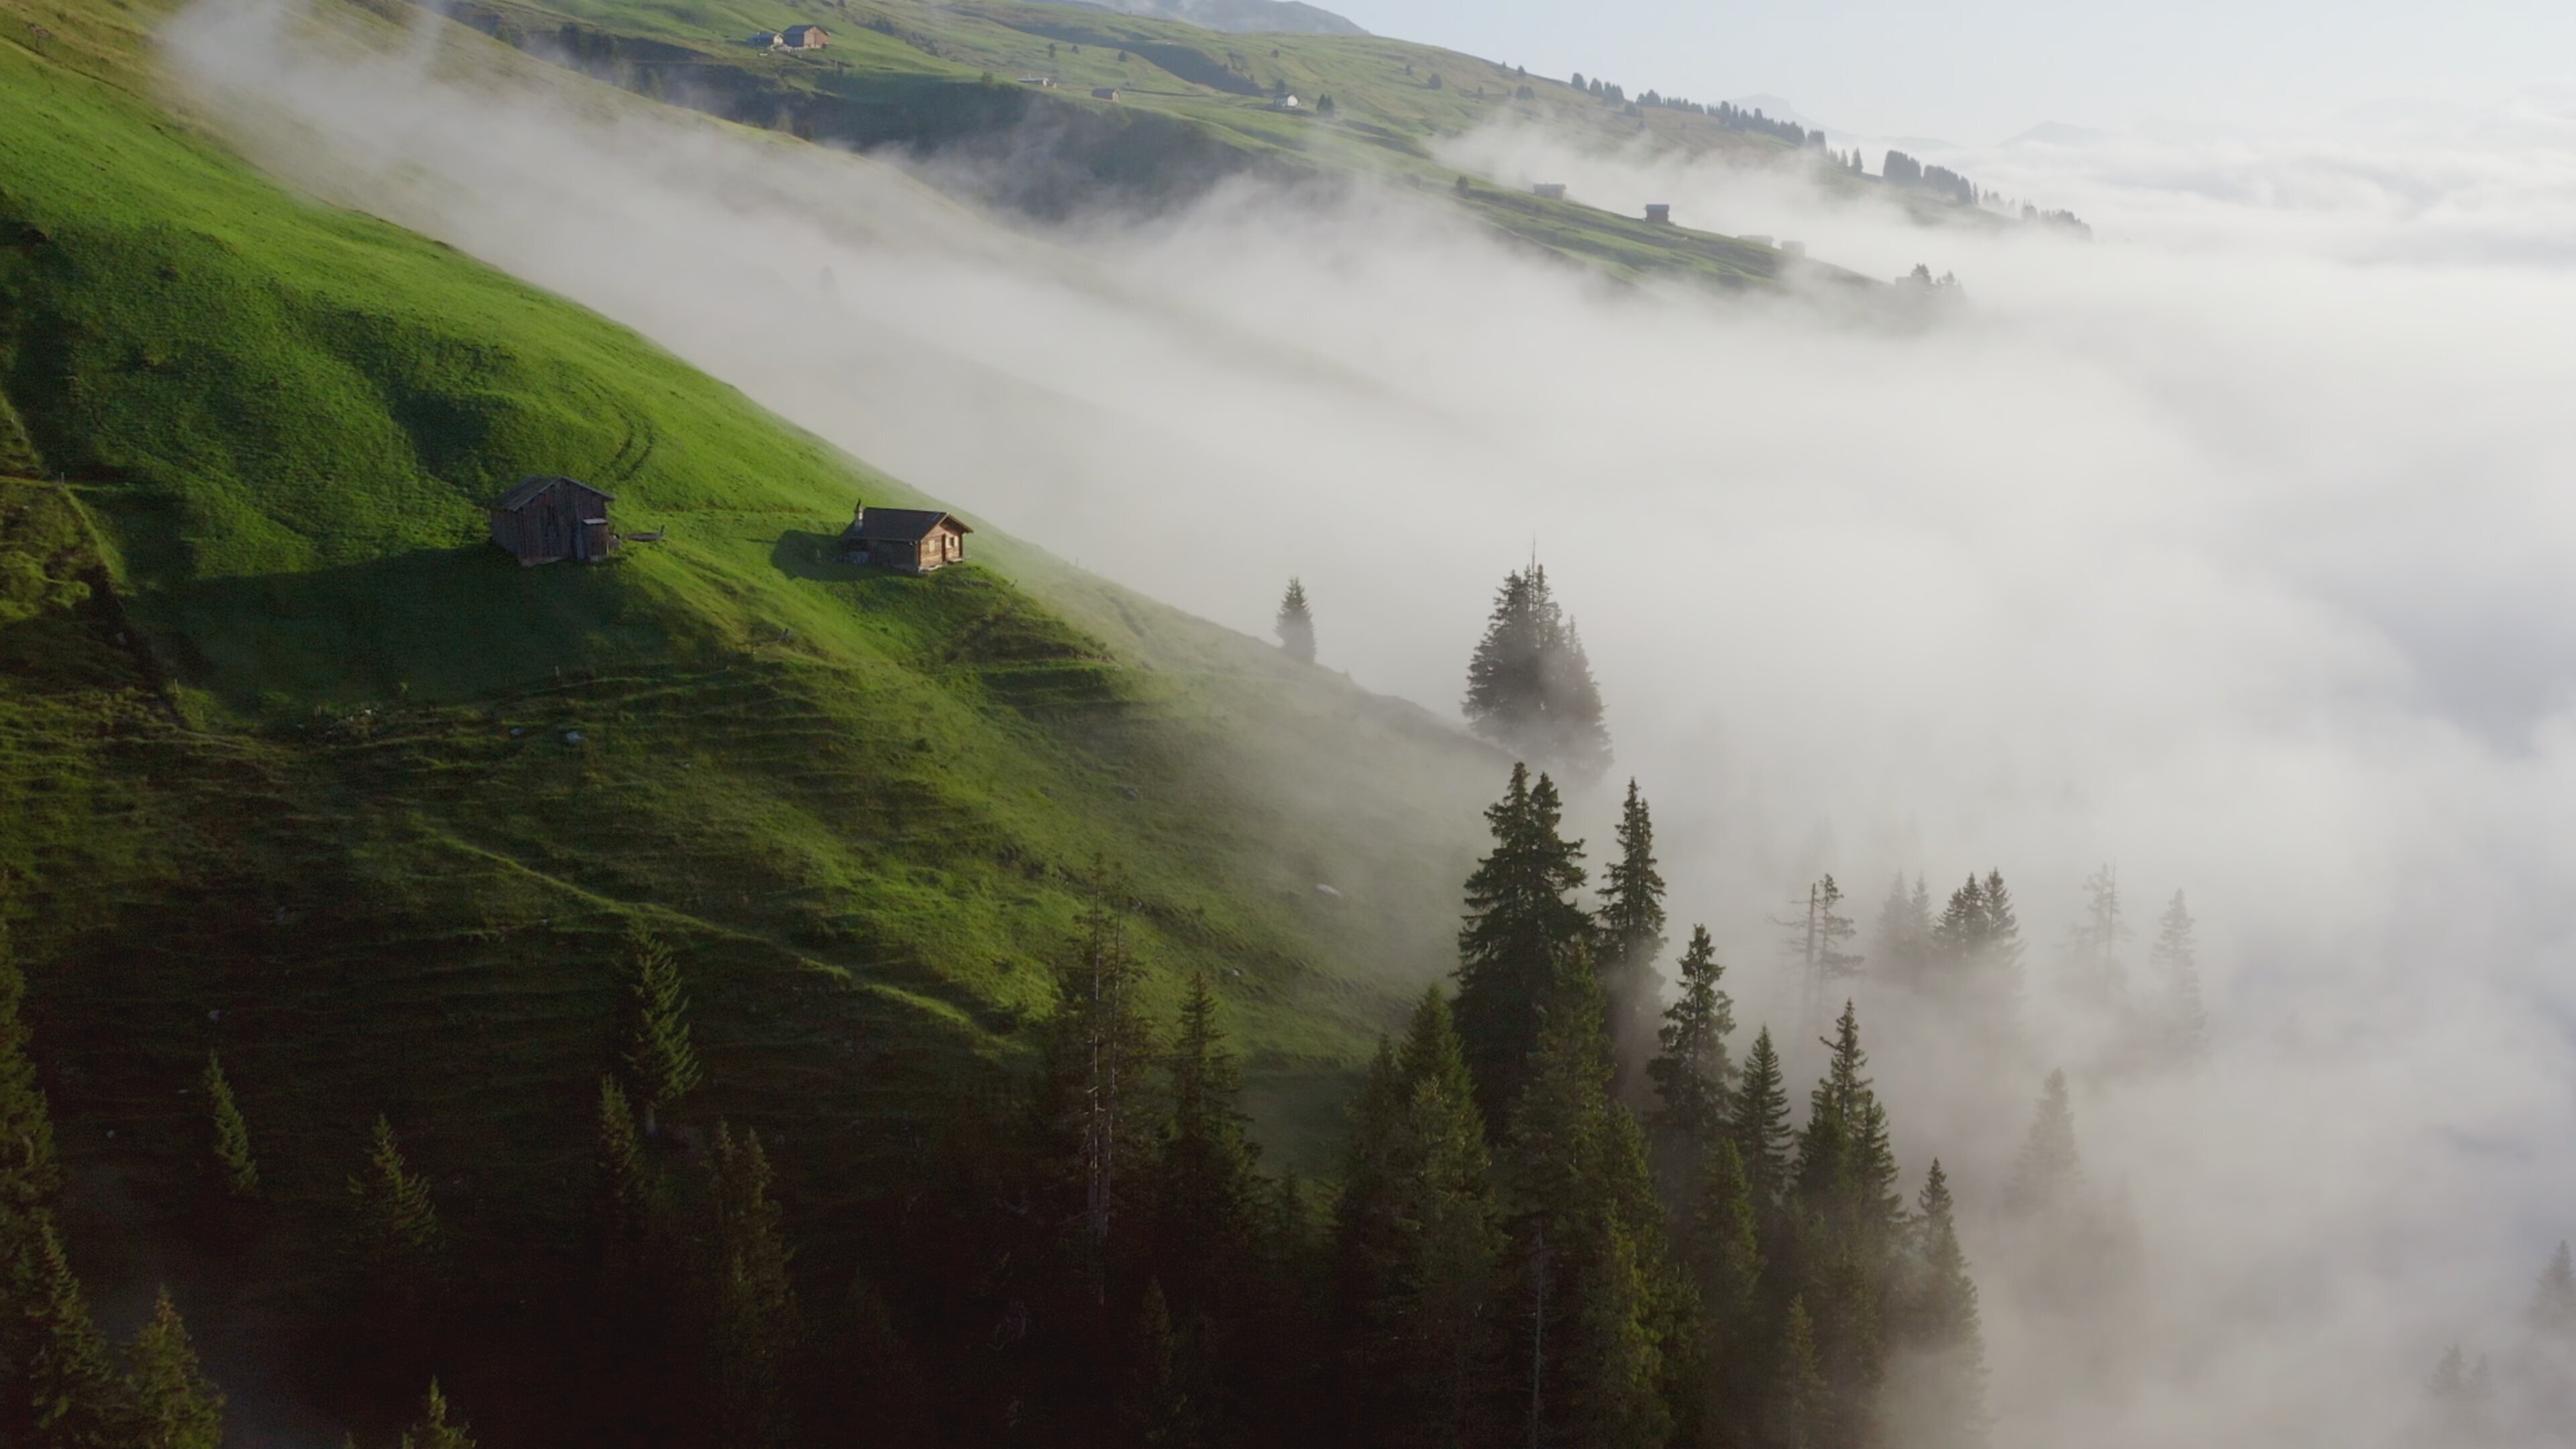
(297, 768)
(1193, 107)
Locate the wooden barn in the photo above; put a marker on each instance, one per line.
(912, 540)
(803, 37)
(548, 519)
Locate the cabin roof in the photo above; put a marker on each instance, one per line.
(536, 483)
(899, 525)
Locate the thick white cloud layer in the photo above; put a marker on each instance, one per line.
(2233, 548)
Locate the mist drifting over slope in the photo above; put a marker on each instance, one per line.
(2231, 549)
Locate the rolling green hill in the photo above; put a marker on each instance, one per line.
(969, 78)
(297, 768)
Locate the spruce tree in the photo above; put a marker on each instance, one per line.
(234, 1165)
(1719, 1253)
(29, 1175)
(399, 1246)
(1846, 1169)
(1902, 945)
(1690, 1073)
(2553, 1302)
(1099, 1063)
(626, 1200)
(1798, 1391)
(1157, 1411)
(2174, 959)
(1960, 936)
(1520, 928)
(29, 1178)
(2003, 934)
(72, 1397)
(661, 1063)
(1592, 1334)
(1758, 1123)
(2049, 1167)
(1419, 1241)
(1205, 1188)
(1530, 686)
(172, 1403)
(1630, 923)
(755, 1329)
(2093, 946)
(1942, 1396)
(1296, 624)
(431, 1430)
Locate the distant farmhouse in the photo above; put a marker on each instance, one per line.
(1657, 211)
(909, 540)
(1549, 191)
(794, 37)
(1104, 93)
(1284, 103)
(547, 520)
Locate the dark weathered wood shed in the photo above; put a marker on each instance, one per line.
(549, 519)
(914, 540)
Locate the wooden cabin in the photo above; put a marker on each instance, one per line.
(803, 37)
(548, 519)
(1658, 213)
(909, 540)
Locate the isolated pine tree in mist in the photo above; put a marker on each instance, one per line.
(2553, 1303)
(1296, 624)
(1530, 686)
(1630, 922)
(2182, 1023)
(2095, 970)
(2049, 1168)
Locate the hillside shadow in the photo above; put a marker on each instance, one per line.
(804, 554)
(432, 623)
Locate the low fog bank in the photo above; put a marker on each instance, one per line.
(2230, 549)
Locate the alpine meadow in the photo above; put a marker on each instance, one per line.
(773, 724)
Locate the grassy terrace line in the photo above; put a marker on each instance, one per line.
(289, 757)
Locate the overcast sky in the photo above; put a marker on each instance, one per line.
(1976, 71)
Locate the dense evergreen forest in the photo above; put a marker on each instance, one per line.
(1574, 1208)
(1511, 1252)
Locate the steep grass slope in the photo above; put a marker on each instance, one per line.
(297, 769)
